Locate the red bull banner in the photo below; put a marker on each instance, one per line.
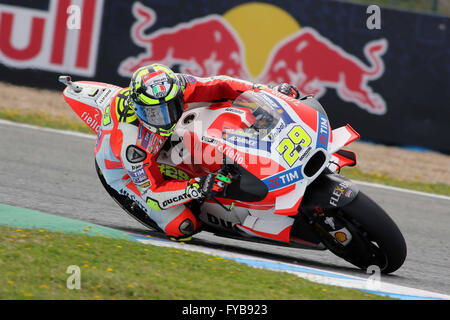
(389, 83)
(211, 45)
(44, 39)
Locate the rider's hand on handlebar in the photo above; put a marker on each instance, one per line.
(288, 89)
(203, 187)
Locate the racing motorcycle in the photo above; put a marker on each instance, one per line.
(278, 161)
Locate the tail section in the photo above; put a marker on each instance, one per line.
(89, 100)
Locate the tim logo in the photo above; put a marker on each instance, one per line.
(31, 38)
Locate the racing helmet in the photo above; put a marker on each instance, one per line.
(157, 98)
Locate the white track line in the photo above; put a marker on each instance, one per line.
(64, 132)
(312, 274)
(419, 193)
(92, 136)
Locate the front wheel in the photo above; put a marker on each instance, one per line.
(376, 238)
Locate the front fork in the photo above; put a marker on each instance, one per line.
(322, 200)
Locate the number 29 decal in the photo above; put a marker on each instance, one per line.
(291, 147)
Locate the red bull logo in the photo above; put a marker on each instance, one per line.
(313, 64)
(215, 45)
(202, 47)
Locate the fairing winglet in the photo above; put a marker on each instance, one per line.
(341, 137)
(342, 158)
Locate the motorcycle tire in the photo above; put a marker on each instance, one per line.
(378, 228)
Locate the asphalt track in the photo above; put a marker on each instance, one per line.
(54, 173)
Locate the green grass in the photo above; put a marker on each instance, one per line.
(427, 6)
(33, 265)
(383, 178)
(44, 120)
(63, 123)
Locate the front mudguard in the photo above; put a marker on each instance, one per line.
(329, 191)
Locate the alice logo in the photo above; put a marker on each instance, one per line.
(374, 280)
(74, 280)
(374, 20)
(74, 17)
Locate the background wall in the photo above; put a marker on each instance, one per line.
(390, 84)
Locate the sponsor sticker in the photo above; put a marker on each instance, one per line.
(210, 140)
(175, 200)
(139, 176)
(241, 138)
(107, 116)
(105, 98)
(323, 132)
(284, 179)
(338, 192)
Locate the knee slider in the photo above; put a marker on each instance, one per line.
(186, 227)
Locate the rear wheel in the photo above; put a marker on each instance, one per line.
(375, 233)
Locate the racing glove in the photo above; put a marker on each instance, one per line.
(288, 89)
(203, 187)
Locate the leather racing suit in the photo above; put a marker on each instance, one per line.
(126, 154)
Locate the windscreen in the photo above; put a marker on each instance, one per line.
(265, 117)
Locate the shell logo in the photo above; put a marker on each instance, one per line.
(340, 236)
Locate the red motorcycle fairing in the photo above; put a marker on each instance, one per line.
(294, 169)
(224, 131)
(89, 99)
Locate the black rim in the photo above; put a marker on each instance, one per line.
(374, 255)
(361, 251)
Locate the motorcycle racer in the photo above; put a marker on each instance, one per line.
(135, 127)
